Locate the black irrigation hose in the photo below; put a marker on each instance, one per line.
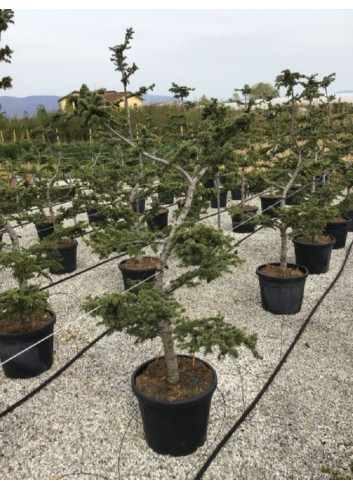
(52, 377)
(253, 404)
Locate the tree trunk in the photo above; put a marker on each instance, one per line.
(165, 330)
(4, 223)
(127, 109)
(284, 246)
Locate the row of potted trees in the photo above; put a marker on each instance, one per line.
(279, 146)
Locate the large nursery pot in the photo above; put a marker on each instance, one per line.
(339, 230)
(157, 221)
(246, 227)
(139, 206)
(295, 195)
(95, 214)
(175, 428)
(34, 361)
(315, 256)
(282, 295)
(138, 269)
(269, 204)
(350, 215)
(44, 228)
(222, 200)
(236, 193)
(67, 249)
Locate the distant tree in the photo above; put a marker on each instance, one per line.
(6, 16)
(264, 91)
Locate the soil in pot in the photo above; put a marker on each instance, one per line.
(157, 221)
(177, 423)
(62, 193)
(135, 270)
(282, 291)
(16, 338)
(222, 199)
(181, 203)
(338, 228)
(314, 254)
(237, 220)
(269, 204)
(45, 228)
(67, 249)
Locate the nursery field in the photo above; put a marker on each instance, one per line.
(85, 423)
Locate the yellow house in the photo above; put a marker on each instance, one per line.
(134, 101)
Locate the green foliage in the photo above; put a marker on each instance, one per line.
(336, 474)
(213, 334)
(207, 248)
(26, 263)
(6, 16)
(263, 91)
(137, 314)
(309, 219)
(19, 305)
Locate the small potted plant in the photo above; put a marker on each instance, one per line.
(25, 315)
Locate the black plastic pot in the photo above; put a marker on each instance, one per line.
(295, 195)
(282, 295)
(157, 221)
(174, 428)
(269, 204)
(44, 229)
(209, 183)
(132, 275)
(32, 362)
(95, 214)
(222, 198)
(67, 259)
(139, 206)
(350, 215)
(247, 227)
(236, 194)
(339, 231)
(314, 256)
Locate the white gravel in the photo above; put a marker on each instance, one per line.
(86, 424)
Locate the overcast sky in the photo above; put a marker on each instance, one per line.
(214, 51)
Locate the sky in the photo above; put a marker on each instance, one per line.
(56, 50)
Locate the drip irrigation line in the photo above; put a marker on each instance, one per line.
(248, 236)
(272, 377)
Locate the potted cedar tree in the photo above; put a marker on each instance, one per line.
(25, 316)
(292, 147)
(178, 407)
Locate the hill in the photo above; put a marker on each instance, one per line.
(21, 106)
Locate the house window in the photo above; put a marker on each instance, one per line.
(135, 106)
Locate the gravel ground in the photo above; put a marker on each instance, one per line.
(86, 424)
